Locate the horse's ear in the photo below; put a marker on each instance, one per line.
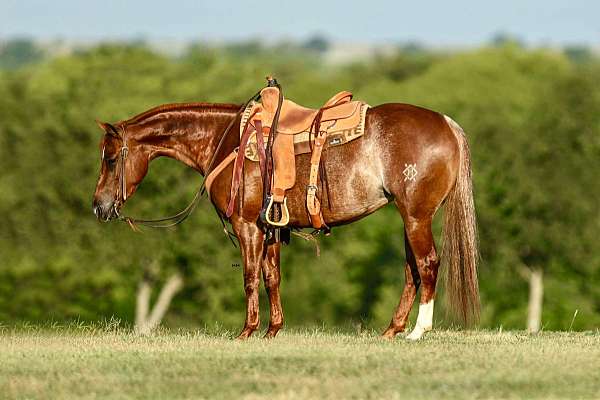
(108, 128)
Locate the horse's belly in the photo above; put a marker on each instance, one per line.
(352, 188)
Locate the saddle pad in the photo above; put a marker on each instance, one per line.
(339, 131)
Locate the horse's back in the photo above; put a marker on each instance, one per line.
(409, 125)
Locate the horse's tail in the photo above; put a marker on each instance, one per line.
(459, 250)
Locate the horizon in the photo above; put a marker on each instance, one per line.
(537, 23)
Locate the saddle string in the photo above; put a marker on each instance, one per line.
(309, 237)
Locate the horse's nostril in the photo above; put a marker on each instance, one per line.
(99, 212)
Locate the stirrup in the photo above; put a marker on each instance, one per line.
(285, 214)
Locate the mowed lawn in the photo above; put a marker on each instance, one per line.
(71, 363)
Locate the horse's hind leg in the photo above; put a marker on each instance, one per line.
(412, 281)
(422, 244)
(272, 278)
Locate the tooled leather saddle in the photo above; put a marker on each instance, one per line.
(286, 130)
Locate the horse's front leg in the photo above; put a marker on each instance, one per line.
(272, 278)
(251, 240)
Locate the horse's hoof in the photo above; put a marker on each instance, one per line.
(245, 334)
(389, 334)
(272, 331)
(417, 333)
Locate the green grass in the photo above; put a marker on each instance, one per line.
(104, 363)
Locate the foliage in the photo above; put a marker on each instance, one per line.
(18, 52)
(532, 121)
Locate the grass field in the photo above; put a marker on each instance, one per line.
(100, 363)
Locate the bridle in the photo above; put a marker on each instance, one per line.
(121, 193)
(121, 196)
(176, 219)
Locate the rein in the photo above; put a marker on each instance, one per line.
(176, 219)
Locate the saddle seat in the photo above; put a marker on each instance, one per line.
(295, 118)
(342, 119)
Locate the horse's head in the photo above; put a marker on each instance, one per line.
(124, 163)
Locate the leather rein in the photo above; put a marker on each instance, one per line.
(178, 218)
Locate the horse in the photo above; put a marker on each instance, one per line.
(413, 157)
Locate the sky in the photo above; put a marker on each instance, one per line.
(436, 23)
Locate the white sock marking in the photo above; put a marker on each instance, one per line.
(424, 321)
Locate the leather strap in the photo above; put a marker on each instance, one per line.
(238, 166)
(260, 143)
(312, 203)
(231, 158)
(267, 178)
(218, 169)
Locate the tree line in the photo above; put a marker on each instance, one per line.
(532, 120)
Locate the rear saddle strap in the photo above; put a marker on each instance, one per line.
(313, 204)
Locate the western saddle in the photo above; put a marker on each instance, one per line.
(288, 129)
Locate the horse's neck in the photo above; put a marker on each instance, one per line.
(194, 140)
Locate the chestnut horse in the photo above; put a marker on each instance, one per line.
(416, 158)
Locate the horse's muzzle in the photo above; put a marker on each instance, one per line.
(104, 212)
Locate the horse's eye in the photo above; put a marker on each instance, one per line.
(111, 161)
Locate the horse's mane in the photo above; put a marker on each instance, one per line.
(174, 107)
